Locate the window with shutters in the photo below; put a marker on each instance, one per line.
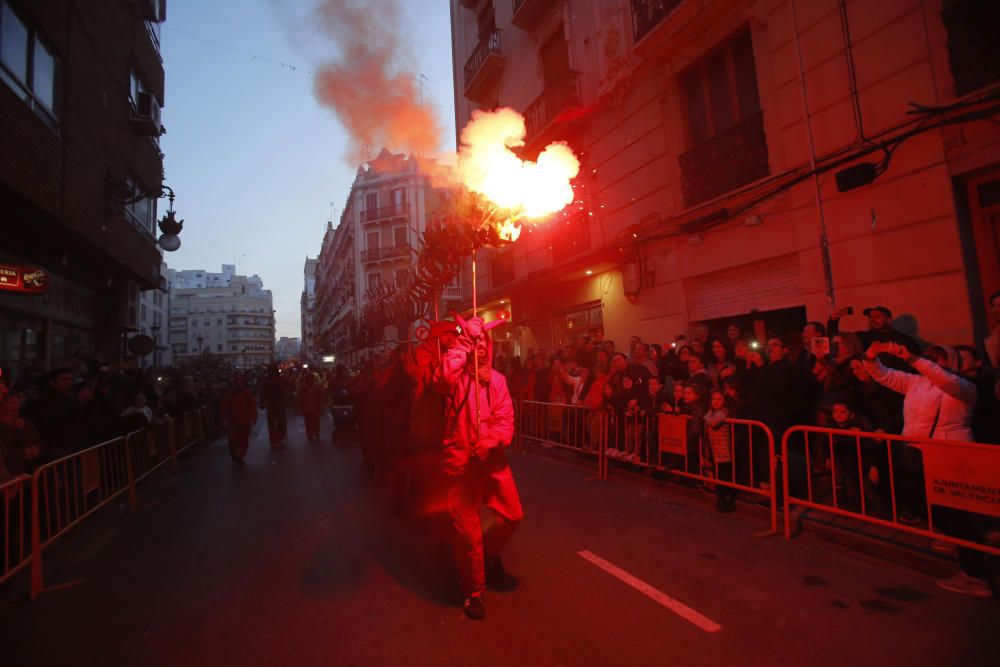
(973, 37)
(725, 123)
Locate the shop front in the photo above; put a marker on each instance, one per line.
(44, 329)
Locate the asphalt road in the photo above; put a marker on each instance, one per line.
(295, 560)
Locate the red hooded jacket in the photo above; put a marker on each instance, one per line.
(496, 410)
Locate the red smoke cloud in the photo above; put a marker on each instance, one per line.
(368, 86)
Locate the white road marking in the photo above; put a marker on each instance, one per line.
(682, 610)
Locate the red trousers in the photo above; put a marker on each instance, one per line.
(239, 439)
(489, 483)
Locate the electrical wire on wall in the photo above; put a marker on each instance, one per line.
(981, 107)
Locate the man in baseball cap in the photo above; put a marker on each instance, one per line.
(880, 329)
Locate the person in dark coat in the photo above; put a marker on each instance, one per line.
(780, 401)
(311, 403)
(58, 416)
(274, 397)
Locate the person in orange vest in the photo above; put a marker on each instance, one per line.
(239, 412)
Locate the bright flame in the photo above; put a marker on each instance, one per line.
(508, 231)
(487, 165)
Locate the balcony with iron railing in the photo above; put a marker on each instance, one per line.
(385, 252)
(485, 66)
(559, 95)
(394, 210)
(730, 159)
(647, 14)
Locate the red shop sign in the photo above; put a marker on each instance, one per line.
(19, 278)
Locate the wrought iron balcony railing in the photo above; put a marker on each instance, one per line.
(555, 99)
(732, 158)
(385, 252)
(489, 46)
(383, 212)
(647, 14)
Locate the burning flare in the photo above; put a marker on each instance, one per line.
(488, 166)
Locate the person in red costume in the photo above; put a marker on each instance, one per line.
(479, 426)
(239, 412)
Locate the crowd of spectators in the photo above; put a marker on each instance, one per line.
(877, 380)
(47, 415)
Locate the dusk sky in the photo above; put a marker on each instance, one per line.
(254, 159)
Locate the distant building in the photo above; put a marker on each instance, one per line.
(375, 243)
(234, 321)
(717, 139)
(287, 348)
(81, 170)
(307, 305)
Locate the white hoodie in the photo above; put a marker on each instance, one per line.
(934, 393)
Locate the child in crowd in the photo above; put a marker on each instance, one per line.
(720, 451)
(695, 407)
(655, 402)
(845, 456)
(633, 428)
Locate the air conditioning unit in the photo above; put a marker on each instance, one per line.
(146, 117)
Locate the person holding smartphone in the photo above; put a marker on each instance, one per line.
(937, 403)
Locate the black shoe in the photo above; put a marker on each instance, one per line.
(496, 576)
(473, 607)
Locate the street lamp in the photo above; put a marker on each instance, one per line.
(123, 194)
(171, 227)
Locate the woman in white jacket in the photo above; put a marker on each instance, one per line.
(938, 403)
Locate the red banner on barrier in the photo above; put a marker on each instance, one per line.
(965, 478)
(673, 434)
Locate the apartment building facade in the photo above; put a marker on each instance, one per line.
(233, 323)
(307, 307)
(80, 174)
(374, 245)
(753, 161)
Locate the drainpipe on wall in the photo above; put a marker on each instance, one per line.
(859, 125)
(824, 243)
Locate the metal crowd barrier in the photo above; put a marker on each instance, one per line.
(959, 477)
(38, 510)
(563, 426)
(658, 442)
(15, 526)
(152, 448)
(190, 432)
(67, 491)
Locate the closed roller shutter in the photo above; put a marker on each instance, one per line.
(768, 285)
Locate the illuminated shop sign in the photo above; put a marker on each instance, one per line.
(20, 278)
